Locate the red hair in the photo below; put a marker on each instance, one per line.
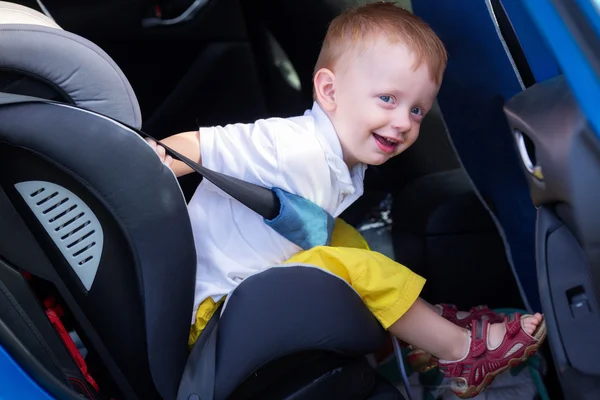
(349, 30)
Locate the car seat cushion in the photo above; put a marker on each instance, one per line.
(287, 310)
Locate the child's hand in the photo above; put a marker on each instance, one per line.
(160, 151)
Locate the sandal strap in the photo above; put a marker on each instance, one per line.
(481, 361)
(513, 324)
(450, 312)
(451, 370)
(479, 333)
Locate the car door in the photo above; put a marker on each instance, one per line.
(556, 127)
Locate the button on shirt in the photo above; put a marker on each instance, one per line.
(301, 155)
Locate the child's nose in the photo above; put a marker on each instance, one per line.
(401, 122)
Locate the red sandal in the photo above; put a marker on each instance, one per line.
(450, 312)
(421, 361)
(481, 365)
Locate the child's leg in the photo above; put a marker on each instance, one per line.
(423, 327)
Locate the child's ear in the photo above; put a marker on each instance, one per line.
(324, 84)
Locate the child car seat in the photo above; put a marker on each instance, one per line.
(95, 239)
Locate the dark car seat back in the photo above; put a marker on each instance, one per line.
(116, 245)
(42, 60)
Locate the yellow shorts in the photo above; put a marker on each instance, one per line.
(387, 288)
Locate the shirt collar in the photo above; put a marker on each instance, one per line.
(351, 180)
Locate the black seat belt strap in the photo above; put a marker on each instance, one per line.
(259, 199)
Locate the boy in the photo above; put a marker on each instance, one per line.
(377, 76)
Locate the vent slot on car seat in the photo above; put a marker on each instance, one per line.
(71, 224)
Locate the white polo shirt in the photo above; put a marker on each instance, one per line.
(301, 155)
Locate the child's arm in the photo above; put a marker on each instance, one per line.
(245, 151)
(186, 143)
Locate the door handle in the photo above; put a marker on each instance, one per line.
(527, 153)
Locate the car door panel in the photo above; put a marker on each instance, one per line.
(556, 127)
(560, 156)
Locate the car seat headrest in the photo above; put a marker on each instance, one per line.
(17, 14)
(40, 59)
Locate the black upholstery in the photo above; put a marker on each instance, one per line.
(148, 249)
(18, 311)
(444, 232)
(281, 330)
(258, 325)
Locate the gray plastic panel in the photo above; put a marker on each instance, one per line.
(562, 161)
(72, 226)
(560, 157)
(548, 116)
(570, 307)
(572, 296)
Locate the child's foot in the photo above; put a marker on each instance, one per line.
(494, 348)
(421, 361)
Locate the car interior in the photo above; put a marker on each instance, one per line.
(483, 197)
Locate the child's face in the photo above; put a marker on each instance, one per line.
(380, 101)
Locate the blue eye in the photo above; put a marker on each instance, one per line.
(417, 111)
(386, 99)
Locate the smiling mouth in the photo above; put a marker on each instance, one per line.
(386, 145)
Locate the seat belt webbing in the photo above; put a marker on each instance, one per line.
(259, 199)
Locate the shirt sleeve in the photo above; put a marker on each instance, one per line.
(244, 151)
